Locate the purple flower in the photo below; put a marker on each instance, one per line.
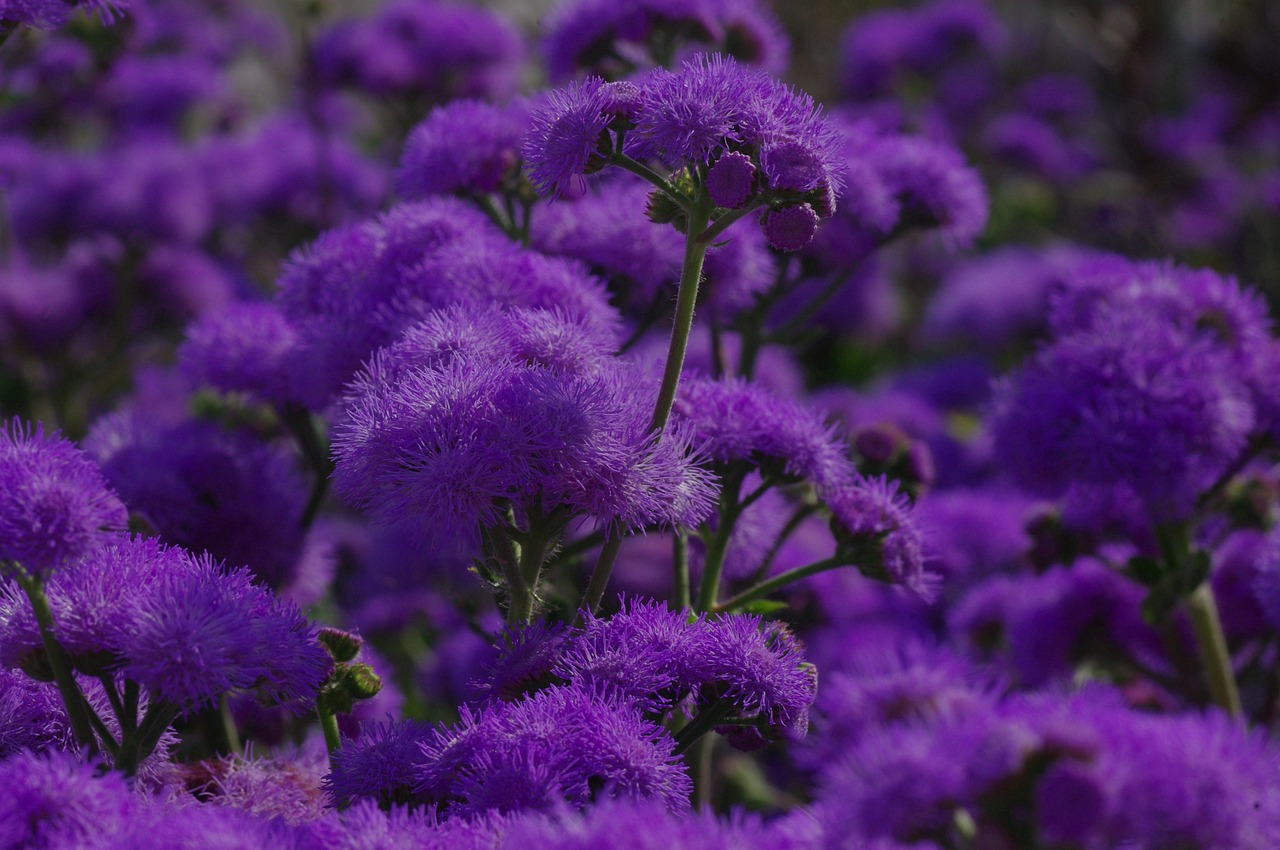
(612, 38)
(607, 229)
(31, 716)
(1000, 298)
(1132, 402)
(710, 103)
(246, 347)
(879, 47)
(734, 420)
(465, 146)
(55, 507)
(285, 786)
(379, 765)
(731, 181)
(568, 135)
(790, 228)
(56, 800)
(875, 529)
(562, 744)
(200, 634)
(759, 668)
(433, 50)
(174, 623)
(208, 488)
(643, 653)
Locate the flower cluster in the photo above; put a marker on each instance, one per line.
(416, 435)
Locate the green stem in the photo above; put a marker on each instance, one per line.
(708, 718)
(136, 747)
(1213, 649)
(680, 592)
(724, 222)
(718, 545)
(600, 575)
(329, 724)
(72, 698)
(230, 735)
(690, 276)
(643, 171)
(783, 579)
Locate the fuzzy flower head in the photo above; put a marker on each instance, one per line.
(778, 151)
(874, 527)
(560, 745)
(466, 146)
(55, 507)
(1131, 403)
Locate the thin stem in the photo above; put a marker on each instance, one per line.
(230, 735)
(600, 575)
(1213, 649)
(690, 276)
(708, 718)
(1250, 452)
(643, 171)
(129, 722)
(718, 545)
(724, 222)
(104, 735)
(703, 773)
(113, 697)
(801, 514)
(764, 588)
(72, 698)
(135, 748)
(680, 593)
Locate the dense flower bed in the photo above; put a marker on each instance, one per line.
(420, 432)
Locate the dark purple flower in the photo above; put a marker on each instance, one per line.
(790, 228)
(208, 488)
(434, 50)
(735, 420)
(607, 229)
(731, 181)
(55, 507)
(759, 668)
(379, 765)
(31, 716)
(612, 38)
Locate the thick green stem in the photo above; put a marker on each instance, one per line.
(690, 276)
(329, 724)
(59, 663)
(1213, 649)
